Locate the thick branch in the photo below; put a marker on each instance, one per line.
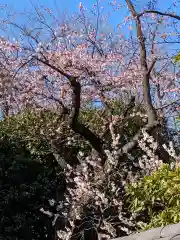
(76, 101)
(80, 128)
(160, 13)
(146, 71)
(76, 126)
(151, 66)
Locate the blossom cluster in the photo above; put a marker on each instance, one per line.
(149, 160)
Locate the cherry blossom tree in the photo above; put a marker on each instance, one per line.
(77, 63)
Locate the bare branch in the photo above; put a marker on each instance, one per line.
(133, 143)
(168, 105)
(160, 13)
(57, 100)
(46, 62)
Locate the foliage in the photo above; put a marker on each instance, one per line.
(96, 119)
(156, 198)
(34, 128)
(177, 58)
(25, 130)
(26, 186)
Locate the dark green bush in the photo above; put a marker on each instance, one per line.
(26, 185)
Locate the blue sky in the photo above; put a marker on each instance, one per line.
(72, 5)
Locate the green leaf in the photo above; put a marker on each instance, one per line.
(177, 58)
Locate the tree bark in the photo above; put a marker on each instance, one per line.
(144, 66)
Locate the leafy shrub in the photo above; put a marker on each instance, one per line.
(177, 58)
(156, 198)
(34, 128)
(31, 131)
(28, 129)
